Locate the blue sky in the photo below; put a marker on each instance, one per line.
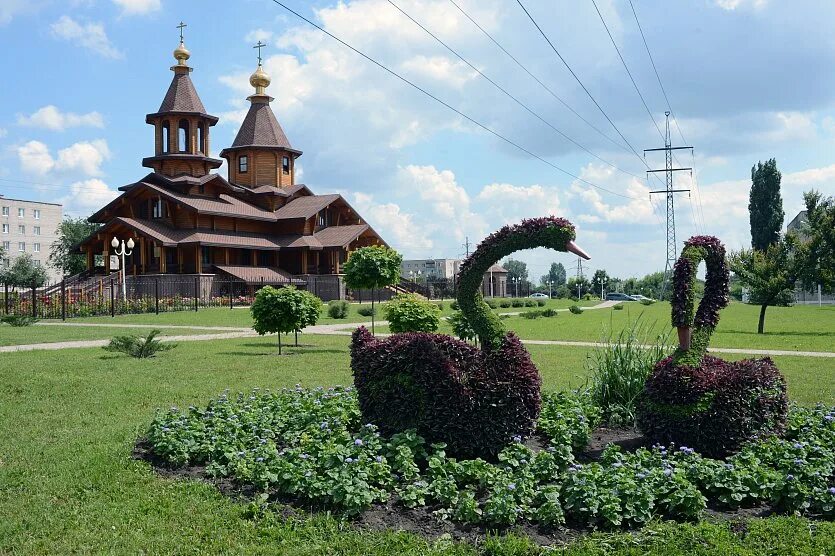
(748, 80)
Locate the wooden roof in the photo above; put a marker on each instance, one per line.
(260, 274)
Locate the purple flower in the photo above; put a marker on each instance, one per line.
(165, 429)
(304, 456)
(259, 460)
(641, 476)
(241, 454)
(349, 460)
(324, 425)
(668, 471)
(358, 442)
(379, 459)
(798, 445)
(829, 417)
(799, 461)
(789, 477)
(617, 465)
(831, 490)
(517, 438)
(511, 486)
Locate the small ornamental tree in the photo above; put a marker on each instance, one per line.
(409, 313)
(63, 253)
(369, 268)
(312, 310)
(769, 275)
(23, 272)
(277, 310)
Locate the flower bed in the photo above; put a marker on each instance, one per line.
(310, 448)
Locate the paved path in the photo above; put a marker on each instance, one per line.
(102, 343)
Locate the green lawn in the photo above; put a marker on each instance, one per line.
(11, 336)
(68, 420)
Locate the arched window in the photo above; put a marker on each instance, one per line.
(183, 137)
(201, 138)
(166, 137)
(243, 164)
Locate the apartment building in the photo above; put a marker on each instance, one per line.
(30, 227)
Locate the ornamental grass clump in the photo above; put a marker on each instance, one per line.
(701, 401)
(19, 320)
(138, 347)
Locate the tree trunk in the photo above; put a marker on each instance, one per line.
(761, 324)
(372, 312)
(296, 332)
(279, 343)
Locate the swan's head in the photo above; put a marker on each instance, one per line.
(551, 232)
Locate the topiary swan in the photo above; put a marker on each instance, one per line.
(473, 399)
(701, 401)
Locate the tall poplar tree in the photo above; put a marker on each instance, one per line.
(765, 205)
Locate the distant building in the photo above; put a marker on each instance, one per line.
(30, 227)
(805, 297)
(431, 270)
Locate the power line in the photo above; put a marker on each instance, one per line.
(557, 52)
(537, 79)
(508, 94)
(626, 67)
(447, 105)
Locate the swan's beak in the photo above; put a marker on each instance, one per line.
(572, 247)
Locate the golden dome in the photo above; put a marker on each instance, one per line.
(181, 54)
(260, 80)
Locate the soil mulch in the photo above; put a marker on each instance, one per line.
(421, 521)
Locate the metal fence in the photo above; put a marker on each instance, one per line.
(105, 296)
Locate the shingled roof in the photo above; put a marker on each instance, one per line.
(260, 128)
(305, 207)
(182, 96)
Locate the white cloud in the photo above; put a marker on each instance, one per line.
(91, 36)
(634, 210)
(441, 69)
(259, 35)
(734, 4)
(3, 132)
(84, 157)
(138, 7)
(50, 117)
(10, 8)
(87, 196)
(391, 222)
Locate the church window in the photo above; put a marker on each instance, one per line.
(243, 164)
(158, 208)
(183, 137)
(166, 137)
(201, 138)
(285, 165)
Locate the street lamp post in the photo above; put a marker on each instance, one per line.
(516, 285)
(550, 283)
(601, 289)
(123, 249)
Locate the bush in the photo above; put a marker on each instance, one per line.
(407, 312)
(532, 314)
(550, 313)
(491, 302)
(140, 348)
(453, 304)
(461, 327)
(19, 320)
(367, 311)
(575, 310)
(562, 292)
(540, 302)
(619, 371)
(530, 303)
(338, 309)
(647, 301)
(475, 401)
(618, 307)
(714, 407)
(516, 302)
(505, 303)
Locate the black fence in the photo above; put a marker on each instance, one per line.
(106, 296)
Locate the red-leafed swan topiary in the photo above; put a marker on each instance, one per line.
(476, 400)
(697, 400)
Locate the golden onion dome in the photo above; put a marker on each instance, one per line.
(181, 54)
(260, 80)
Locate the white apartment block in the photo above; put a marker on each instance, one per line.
(30, 227)
(428, 269)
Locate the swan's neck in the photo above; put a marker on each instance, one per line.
(488, 327)
(697, 325)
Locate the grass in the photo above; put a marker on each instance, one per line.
(36, 334)
(68, 421)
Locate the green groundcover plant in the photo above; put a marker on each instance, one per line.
(310, 447)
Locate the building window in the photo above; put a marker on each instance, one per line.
(323, 219)
(37, 230)
(6, 245)
(158, 208)
(37, 214)
(21, 229)
(201, 138)
(206, 255)
(21, 213)
(36, 248)
(243, 164)
(285, 165)
(21, 246)
(166, 137)
(5, 211)
(5, 228)
(183, 137)
(201, 189)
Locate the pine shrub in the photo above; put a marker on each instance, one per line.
(575, 310)
(550, 312)
(19, 320)
(140, 348)
(338, 309)
(367, 311)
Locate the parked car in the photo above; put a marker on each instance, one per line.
(538, 295)
(614, 296)
(639, 297)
